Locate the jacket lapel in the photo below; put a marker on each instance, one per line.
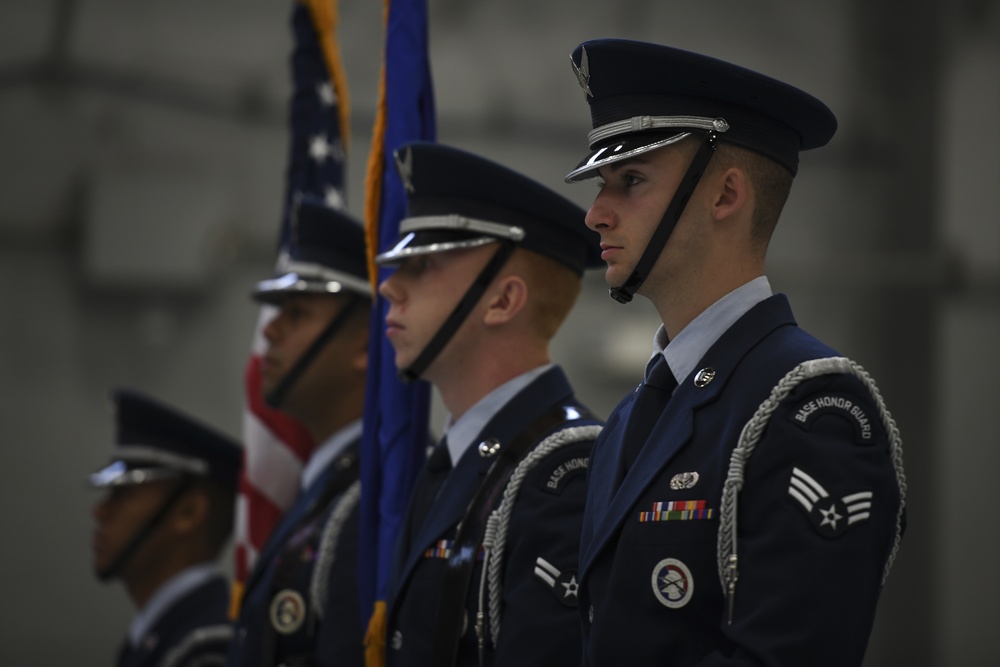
(610, 506)
(302, 504)
(464, 480)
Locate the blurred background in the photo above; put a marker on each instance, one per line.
(142, 154)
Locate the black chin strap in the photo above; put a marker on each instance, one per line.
(116, 566)
(458, 315)
(277, 396)
(626, 291)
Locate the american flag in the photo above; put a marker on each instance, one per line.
(277, 447)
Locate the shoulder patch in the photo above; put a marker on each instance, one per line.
(562, 583)
(830, 516)
(841, 405)
(566, 469)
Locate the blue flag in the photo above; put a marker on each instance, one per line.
(396, 414)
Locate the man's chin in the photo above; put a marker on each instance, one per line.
(101, 571)
(266, 388)
(613, 277)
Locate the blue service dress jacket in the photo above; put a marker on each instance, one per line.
(300, 606)
(538, 622)
(195, 630)
(816, 520)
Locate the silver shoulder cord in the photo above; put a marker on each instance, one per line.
(495, 537)
(197, 637)
(752, 430)
(327, 552)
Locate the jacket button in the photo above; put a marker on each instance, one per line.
(397, 640)
(590, 614)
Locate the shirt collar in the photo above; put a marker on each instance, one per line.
(326, 453)
(688, 347)
(463, 431)
(166, 595)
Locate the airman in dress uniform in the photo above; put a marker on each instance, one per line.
(489, 265)
(160, 528)
(746, 502)
(300, 606)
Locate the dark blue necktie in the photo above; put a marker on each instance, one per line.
(648, 403)
(429, 484)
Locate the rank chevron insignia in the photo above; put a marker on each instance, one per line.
(829, 516)
(562, 583)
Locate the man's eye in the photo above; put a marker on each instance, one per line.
(631, 179)
(418, 264)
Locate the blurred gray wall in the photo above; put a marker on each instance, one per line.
(142, 150)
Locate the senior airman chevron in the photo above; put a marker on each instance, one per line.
(830, 516)
(677, 510)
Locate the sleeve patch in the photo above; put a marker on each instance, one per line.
(562, 583)
(830, 516)
(840, 405)
(567, 469)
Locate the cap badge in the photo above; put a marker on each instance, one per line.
(404, 165)
(673, 584)
(683, 480)
(583, 71)
(288, 611)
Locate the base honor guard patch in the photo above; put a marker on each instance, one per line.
(563, 583)
(677, 510)
(829, 516)
(566, 470)
(840, 405)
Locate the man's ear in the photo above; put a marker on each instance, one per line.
(359, 349)
(191, 511)
(507, 299)
(732, 194)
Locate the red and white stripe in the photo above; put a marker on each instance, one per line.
(276, 448)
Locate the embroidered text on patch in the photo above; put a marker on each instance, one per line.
(565, 470)
(677, 510)
(838, 404)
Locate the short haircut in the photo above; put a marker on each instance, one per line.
(552, 291)
(771, 183)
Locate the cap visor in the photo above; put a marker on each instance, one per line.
(423, 243)
(616, 151)
(273, 291)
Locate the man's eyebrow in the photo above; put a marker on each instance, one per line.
(615, 167)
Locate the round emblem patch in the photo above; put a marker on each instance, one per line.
(288, 611)
(673, 584)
